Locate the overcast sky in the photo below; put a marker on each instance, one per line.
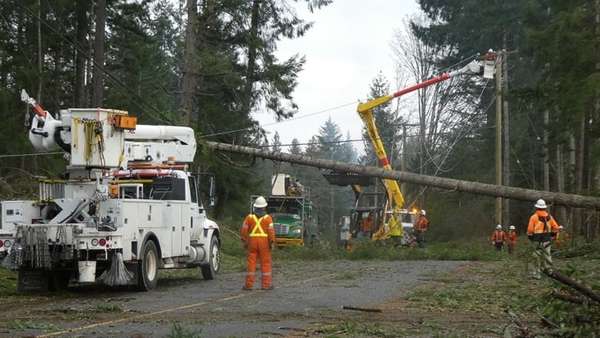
(345, 49)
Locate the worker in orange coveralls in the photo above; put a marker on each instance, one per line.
(541, 230)
(258, 236)
(420, 227)
(511, 239)
(498, 238)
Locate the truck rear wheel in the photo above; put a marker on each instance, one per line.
(148, 267)
(209, 271)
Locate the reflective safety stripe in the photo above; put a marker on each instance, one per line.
(266, 274)
(258, 231)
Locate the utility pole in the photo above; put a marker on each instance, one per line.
(98, 84)
(403, 158)
(546, 152)
(499, 102)
(505, 131)
(40, 53)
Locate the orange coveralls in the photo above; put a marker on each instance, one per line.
(511, 239)
(498, 239)
(258, 236)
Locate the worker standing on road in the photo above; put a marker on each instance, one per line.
(511, 239)
(421, 226)
(541, 229)
(498, 238)
(258, 236)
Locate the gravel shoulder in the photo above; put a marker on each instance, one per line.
(305, 294)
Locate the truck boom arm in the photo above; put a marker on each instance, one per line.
(365, 110)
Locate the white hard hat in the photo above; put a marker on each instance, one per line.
(540, 204)
(512, 227)
(498, 226)
(260, 202)
(423, 212)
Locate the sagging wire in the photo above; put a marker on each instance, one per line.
(32, 154)
(233, 131)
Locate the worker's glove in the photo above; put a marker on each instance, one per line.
(245, 244)
(530, 237)
(554, 234)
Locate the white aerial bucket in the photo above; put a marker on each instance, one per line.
(87, 271)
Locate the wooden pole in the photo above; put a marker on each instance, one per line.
(498, 209)
(486, 189)
(505, 134)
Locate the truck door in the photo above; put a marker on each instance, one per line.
(185, 225)
(172, 216)
(195, 218)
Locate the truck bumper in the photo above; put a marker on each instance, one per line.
(281, 242)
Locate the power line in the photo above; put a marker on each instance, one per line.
(233, 131)
(31, 154)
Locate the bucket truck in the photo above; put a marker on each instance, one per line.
(126, 206)
(391, 224)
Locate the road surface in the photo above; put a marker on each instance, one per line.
(305, 294)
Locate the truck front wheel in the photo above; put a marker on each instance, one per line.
(209, 270)
(148, 267)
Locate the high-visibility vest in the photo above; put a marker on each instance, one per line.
(258, 231)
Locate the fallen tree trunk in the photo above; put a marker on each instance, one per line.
(578, 201)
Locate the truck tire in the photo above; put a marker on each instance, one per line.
(209, 270)
(148, 267)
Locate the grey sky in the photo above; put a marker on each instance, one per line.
(345, 49)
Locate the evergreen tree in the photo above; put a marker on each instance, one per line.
(329, 138)
(295, 147)
(276, 143)
(387, 122)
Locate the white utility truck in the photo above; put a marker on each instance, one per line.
(126, 207)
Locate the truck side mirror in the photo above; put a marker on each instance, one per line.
(211, 191)
(208, 188)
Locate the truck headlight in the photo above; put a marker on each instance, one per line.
(297, 231)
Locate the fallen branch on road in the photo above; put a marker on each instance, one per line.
(360, 309)
(567, 298)
(525, 332)
(291, 329)
(584, 290)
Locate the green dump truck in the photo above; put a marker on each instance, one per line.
(292, 210)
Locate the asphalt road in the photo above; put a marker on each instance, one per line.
(304, 294)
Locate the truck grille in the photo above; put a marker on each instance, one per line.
(281, 229)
